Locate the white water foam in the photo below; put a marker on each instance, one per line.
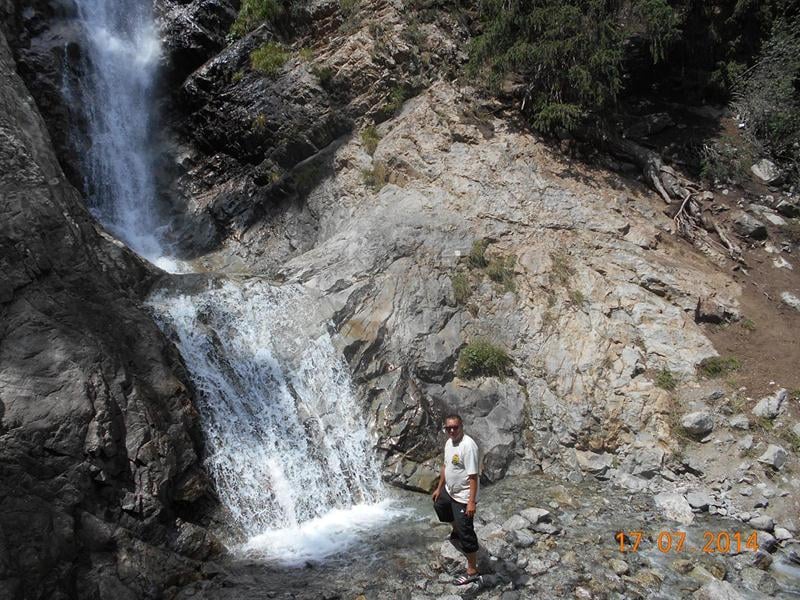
(286, 446)
(322, 537)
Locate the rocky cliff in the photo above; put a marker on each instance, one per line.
(99, 441)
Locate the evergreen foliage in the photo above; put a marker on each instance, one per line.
(254, 12)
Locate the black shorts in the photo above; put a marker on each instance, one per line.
(450, 511)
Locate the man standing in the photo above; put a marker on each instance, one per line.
(457, 493)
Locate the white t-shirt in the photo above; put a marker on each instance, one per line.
(460, 460)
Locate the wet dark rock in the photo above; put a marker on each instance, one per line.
(87, 386)
(191, 32)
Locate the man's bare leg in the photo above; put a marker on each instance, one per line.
(472, 563)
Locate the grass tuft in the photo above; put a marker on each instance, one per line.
(462, 290)
(370, 139)
(477, 256)
(717, 366)
(665, 379)
(482, 358)
(268, 59)
(376, 177)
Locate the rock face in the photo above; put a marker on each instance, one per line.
(99, 441)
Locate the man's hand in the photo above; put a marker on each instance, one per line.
(436, 493)
(470, 512)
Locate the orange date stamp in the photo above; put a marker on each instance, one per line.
(714, 542)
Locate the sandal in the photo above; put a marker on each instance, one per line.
(466, 578)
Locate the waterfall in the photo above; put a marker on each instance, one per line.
(286, 446)
(285, 443)
(115, 94)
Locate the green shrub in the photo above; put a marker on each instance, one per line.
(268, 59)
(717, 366)
(348, 7)
(376, 177)
(397, 96)
(254, 12)
(767, 99)
(370, 139)
(748, 324)
(477, 256)
(481, 358)
(666, 380)
(307, 54)
(462, 290)
(722, 161)
(237, 76)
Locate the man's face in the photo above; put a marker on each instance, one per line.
(452, 428)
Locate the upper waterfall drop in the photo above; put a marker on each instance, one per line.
(116, 94)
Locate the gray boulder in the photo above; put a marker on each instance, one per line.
(774, 456)
(766, 170)
(770, 407)
(762, 523)
(699, 500)
(591, 462)
(698, 424)
(748, 226)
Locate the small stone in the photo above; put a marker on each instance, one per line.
(791, 300)
(796, 429)
(766, 170)
(620, 567)
(698, 424)
(745, 444)
(675, 507)
(782, 534)
(748, 226)
(771, 406)
(515, 522)
(699, 500)
(591, 462)
(739, 421)
(523, 538)
(767, 541)
(775, 457)
(762, 523)
(547, 528)
(535, 515)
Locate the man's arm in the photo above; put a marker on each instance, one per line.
(473, 495)
(439, 487)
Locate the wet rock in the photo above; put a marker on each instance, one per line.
(674, 506)
(774, 456)
(591, 462)
(766, 170)
(748, 226)
(770, 407)
(698, 424)
(717, 590)
(98, 383)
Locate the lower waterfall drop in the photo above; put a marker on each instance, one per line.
(286, 446)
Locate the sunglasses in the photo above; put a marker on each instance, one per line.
(451, 428)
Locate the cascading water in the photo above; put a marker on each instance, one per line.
(115, 94)
(289, 454)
